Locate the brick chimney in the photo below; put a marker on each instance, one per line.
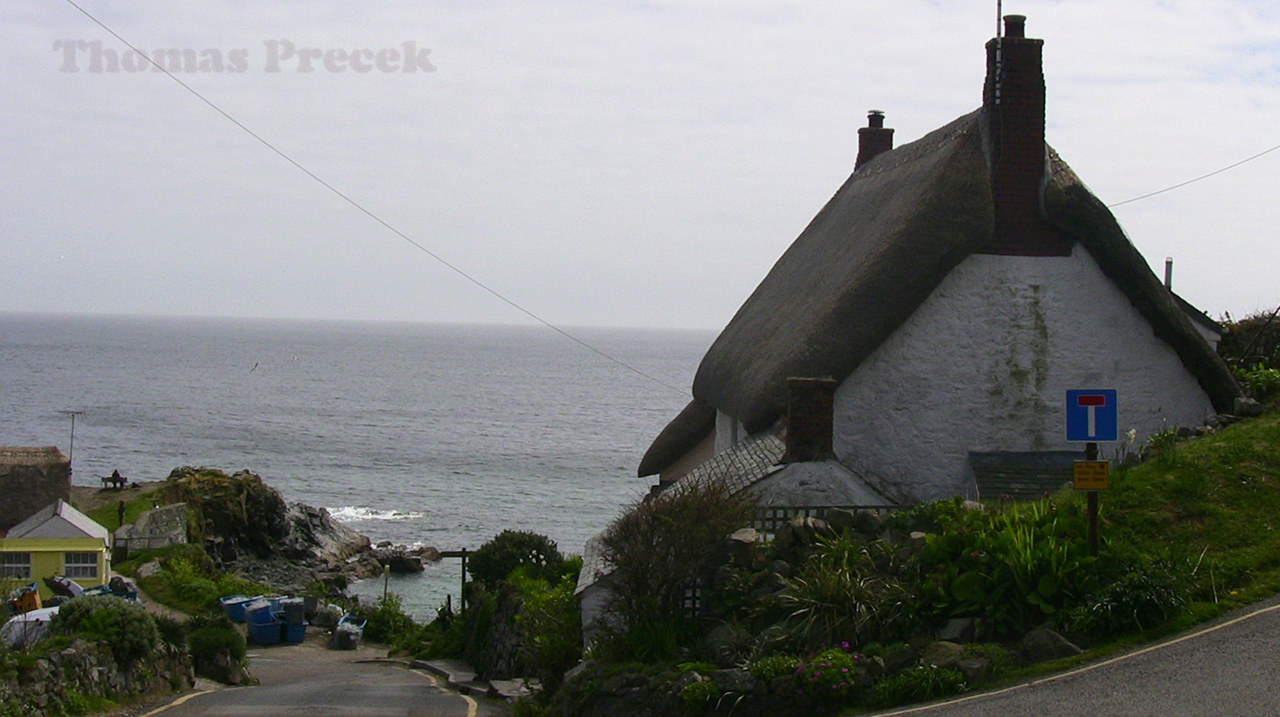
(809, 419)
(874, 139)
(1013, 111)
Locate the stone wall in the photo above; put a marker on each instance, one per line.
(48, 684)
(30, 479)
(154, 529)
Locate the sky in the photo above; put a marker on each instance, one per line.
(591, 163)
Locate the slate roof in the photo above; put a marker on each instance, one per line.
(58, 520)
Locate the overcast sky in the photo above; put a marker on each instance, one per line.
(617, 164)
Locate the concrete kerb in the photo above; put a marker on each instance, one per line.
(458, 674)
(462, 677)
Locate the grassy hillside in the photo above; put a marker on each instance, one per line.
(1214, 500)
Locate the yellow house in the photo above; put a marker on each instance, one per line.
(56, 540)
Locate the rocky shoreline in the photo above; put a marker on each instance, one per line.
(248, 528)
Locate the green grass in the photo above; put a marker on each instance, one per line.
(108, 516)
(1216, 499)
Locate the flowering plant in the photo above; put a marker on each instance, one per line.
(830, 675)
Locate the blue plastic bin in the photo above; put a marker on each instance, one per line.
(264, 633)
(294, 634)
(233, 606)
(259, 611)
(294, 611)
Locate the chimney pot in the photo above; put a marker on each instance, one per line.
(874, 139)
(1015, 25)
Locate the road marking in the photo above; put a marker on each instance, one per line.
(176, 702)
(472, 707)
(1080, 670)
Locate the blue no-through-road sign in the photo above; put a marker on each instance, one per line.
(1092, 416)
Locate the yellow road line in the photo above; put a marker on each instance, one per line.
(472, 706)
(176, 702)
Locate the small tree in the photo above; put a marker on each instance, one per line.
(658, 548)
(492, 562)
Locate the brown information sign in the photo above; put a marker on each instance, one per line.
(1092, 475)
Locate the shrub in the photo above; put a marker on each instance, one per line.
(1148, 593)
(659, 548)
(1261, 381)
(210, 636)
(916, 684)
(932, 517)
(492, 562)
(1253, 339)
(171, 631)
(120, 623)
(387, 621)
(699, 697)
(550, 627)
(773, 666)
(1013, 569)
(842, 594)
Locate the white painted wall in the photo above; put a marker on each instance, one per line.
(729, 432)
(984, 365)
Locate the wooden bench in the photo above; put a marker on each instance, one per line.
(117, 482)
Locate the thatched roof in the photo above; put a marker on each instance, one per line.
(877, 250)
(30, 456)
(1074, 209)
(684, 432)
(854, 275)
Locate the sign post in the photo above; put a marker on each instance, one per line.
(1092, 417)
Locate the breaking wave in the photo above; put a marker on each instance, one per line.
(355, 514)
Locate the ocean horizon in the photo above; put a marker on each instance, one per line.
(414, 433)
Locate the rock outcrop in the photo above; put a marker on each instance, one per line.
(247, 527)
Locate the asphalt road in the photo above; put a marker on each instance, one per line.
(308, 679)
(1231, 668)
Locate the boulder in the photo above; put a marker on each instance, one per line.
(869, 523)
(734, 680)
(1042, 644)
(800, 532)
(1246, 407)
(725, 642)
(147, 569)
(975, 668)
(397, 561)
(942, 654)
(959, 629)
(742, 546)
(898, 658)
(841, 520)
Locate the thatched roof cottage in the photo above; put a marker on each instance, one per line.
(954, 289)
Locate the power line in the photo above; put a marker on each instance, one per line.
(1192, 181)
(361, 208)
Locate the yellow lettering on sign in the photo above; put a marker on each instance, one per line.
(1092, 475)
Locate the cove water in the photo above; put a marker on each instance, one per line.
(426, 434)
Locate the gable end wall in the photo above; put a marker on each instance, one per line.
(984, 364)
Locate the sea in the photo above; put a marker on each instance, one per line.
(418, 434)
